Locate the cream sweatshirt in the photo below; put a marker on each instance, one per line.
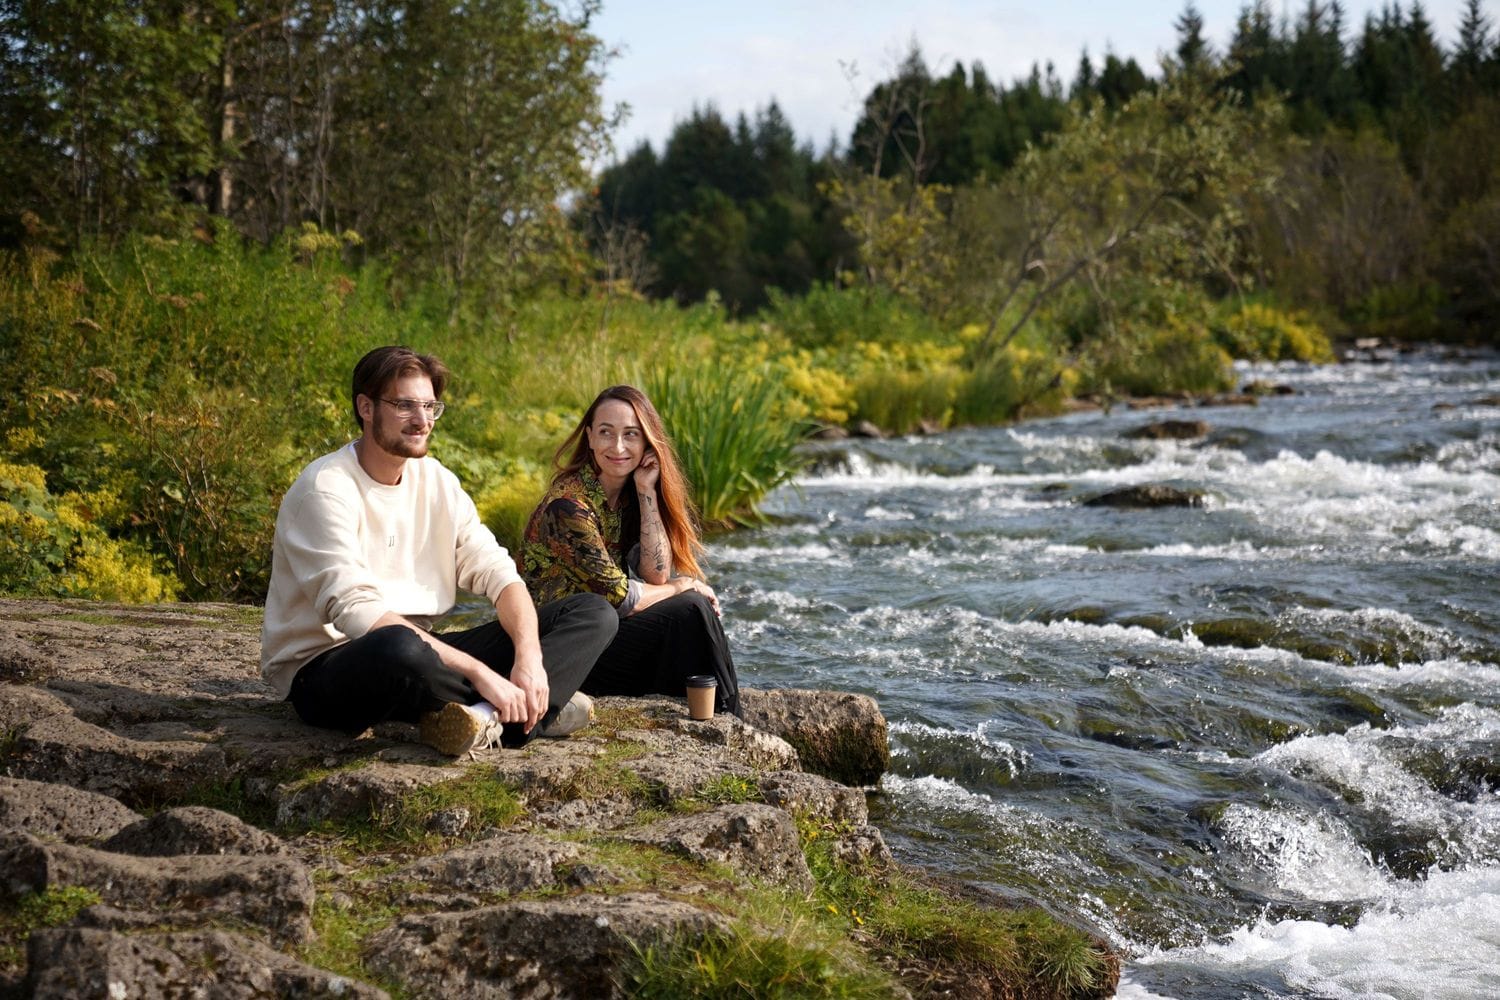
(348, 549)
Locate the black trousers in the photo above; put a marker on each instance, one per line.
(657, 649)
(391, 674)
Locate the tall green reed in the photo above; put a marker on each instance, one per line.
(732, 434)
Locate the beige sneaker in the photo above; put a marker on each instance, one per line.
(575, 715)
(456, 729)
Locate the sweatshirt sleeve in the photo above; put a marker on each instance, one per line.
(484, 565)
(320, 540)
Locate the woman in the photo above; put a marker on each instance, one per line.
(617, 521)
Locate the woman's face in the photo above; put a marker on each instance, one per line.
(616, 439)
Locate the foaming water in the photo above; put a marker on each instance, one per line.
(1439, 937)
(1255, 743)
(1314, 856)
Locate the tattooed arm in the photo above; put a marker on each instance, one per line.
(656, 549)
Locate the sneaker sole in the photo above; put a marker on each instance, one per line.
(452, 730)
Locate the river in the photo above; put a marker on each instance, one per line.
(1255, 744)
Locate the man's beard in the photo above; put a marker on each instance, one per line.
(389, 438)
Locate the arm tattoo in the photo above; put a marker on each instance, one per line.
(658, 532)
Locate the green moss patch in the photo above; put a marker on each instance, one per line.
(53, 907)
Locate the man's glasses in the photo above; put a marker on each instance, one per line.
(411, 407)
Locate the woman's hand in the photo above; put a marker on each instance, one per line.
(689, 584)
(647, 473)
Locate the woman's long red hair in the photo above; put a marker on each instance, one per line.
(678, 515)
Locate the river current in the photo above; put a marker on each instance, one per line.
(1255, 744)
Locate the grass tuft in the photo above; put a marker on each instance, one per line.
(742, 963)
(925, 927)
(340, 926)
(406, 824)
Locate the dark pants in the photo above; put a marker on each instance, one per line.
(657, 649)
(391, 673)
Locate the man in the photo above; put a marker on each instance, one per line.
(371, 543)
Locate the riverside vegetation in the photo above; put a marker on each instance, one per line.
(170, 389)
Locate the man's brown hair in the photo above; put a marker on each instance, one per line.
(384, 365)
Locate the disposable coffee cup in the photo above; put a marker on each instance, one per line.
(700, 695)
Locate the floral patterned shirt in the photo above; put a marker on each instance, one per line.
(572, 544)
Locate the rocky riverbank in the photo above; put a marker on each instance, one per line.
(166, 826)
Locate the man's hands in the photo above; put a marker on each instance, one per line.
(522, 698)
(517, 615)
(528, 676)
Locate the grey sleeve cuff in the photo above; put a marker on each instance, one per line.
(632, 595)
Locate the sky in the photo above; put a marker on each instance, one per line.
(819, 58)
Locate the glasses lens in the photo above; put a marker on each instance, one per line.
(409, 407)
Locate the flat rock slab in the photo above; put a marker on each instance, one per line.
(506, 863)
(69, 963)
(194, 830)
(108, 709)
(274, 893)
(62, 812)
(63, 748)
(373, 789)
(567, 949)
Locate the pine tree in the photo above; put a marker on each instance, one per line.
(1470, 69)
(1193, 50)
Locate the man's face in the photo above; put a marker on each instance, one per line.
(402, 436)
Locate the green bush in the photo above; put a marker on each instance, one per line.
(191, 380)
(899, 387)
(829, 316)
(1403, 310)
(902, 401)
(1257, 332)
(1176, 357)
(60, 546)
(1015, 382)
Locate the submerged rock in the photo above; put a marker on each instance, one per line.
(1170, 430)
(1147, 496)
(1260, 387)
